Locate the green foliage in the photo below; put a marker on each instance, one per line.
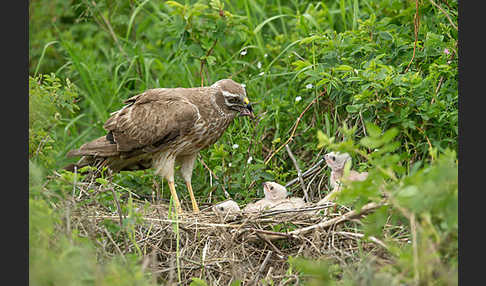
(57, 258)
(396, 116)
(427, 198)
(51, 109)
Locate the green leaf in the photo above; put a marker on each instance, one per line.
(198, 282)
(102, 181)
(353, 108)
(389, 135)
(373, 130)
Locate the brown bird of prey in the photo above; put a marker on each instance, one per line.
(163, 127)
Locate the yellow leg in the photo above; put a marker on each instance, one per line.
(193, 199)
(174, 197)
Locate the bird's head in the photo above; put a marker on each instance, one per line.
(226, 207)
(336, 160)
(234, 96)
(274, 191)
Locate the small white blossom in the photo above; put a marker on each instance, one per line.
(229, 164)
(309, 86)
(249, 160)
(235, 146)
(298, 98)
(243, 52)
(262, 73)
(265, 55)
(259, 65)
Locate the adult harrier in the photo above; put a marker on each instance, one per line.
(165, 126)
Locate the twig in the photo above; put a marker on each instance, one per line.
(445, 13)
(260, 270)
(413, 228)
(416, 21)
(362, 123)
(360, 235)
(426, 137)
(306, 173)
(117, 206)
(295, 127)
(345, 217)
(203, 61)
(267, 241)
(125, 189)
(116, 245)
(227, 195)
(437, 89)
(304, 209)
(172, 221)
(299, 173)
(110, 29)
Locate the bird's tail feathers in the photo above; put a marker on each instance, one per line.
(101, 147)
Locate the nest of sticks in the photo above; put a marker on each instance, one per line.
(221, 249)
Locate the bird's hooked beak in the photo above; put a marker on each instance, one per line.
(248, 111)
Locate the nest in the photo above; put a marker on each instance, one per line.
(221, 249)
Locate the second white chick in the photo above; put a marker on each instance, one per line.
(337, 161)
(275, 199)
(227, 207)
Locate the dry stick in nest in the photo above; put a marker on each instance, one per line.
(118, 207)
(325, 224)
(299, 173)
(360, 235)
(272, 246)
(262, 267)
(295, 127)
(310, 171)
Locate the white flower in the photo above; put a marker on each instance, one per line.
(235, 146)
(249, 160)
(229, 165)
(309, 86)
(259, 65)
(265, 55)
(243, 52)
(298, 98)
(262, 73)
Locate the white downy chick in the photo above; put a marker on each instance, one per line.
(275, 199)
(226, 207)
(337, 161)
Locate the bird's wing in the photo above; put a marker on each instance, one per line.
(150, 120)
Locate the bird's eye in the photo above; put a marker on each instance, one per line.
(333, 158)
(271, 188)
(234, 100)
(221, 208)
